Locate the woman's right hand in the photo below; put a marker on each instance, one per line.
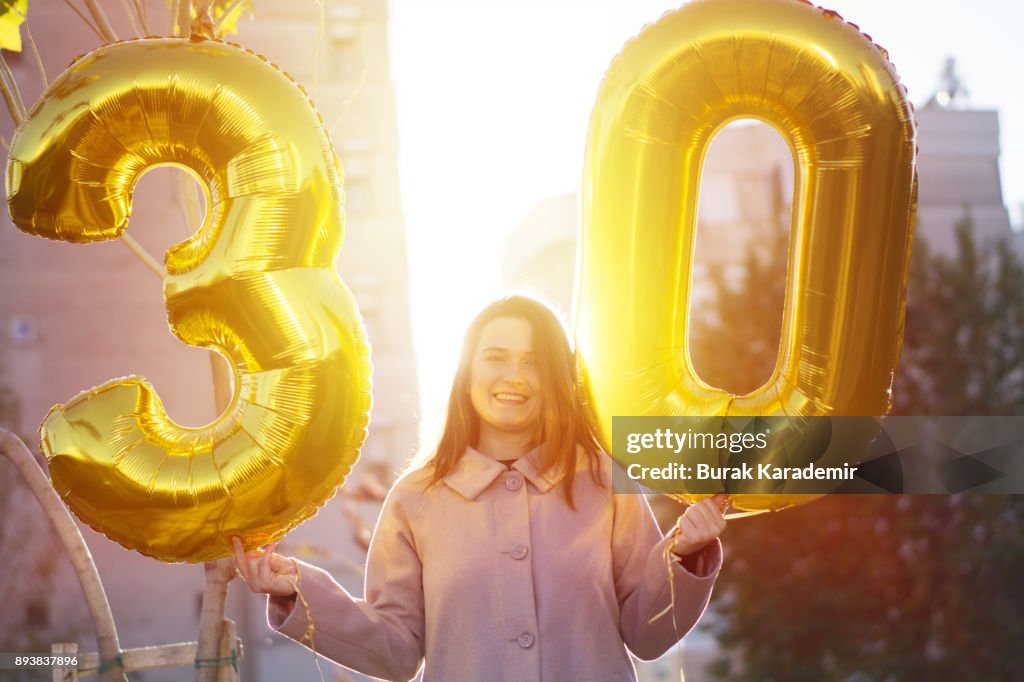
(265, 572)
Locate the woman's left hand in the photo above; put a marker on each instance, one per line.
(699, 525)
(265, 572)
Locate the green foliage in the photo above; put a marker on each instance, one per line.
(230, 23)
(12, 15)
(895, 587)
(886, 587)
(963, 348)
(218, 8)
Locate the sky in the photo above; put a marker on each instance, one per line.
(494, 97)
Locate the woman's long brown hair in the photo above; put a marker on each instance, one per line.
(562, 426)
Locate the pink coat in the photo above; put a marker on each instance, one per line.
(490, 576)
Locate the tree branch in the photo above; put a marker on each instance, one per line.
(101, 21)
(143, 255)
(74, 544)
(131, 17)
(12, 96)
(85, 19)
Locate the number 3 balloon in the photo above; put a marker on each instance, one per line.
(256, 283)
(835, 98)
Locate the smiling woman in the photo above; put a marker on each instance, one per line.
(504, 384)
(506, 555)
(515, 388)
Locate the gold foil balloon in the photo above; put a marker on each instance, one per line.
(256, 282)
(835, 98)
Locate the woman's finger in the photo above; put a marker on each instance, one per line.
(701, 513)
(714, 512)
(704, 520)
(265, 567)
(282, 565)
(686, 520)
(241, 563)
(701, 529)
(248, 565)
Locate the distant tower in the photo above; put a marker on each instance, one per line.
(958, 167)
(951, 92)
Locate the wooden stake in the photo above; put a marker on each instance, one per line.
(219, 572)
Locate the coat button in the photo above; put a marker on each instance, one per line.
(514, 482)
(520, 551)
(526, 640)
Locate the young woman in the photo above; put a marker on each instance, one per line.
(506, 556)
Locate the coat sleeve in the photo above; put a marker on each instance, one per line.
(381, 635)
(649, 579)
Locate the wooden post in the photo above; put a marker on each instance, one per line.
(219, 572)
(229, 649)
(65, 674)
(211, 622)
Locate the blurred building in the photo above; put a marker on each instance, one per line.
(75, 316)
(958, 165)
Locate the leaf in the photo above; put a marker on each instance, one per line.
(229, 24)
(12, 14)
(218, 8)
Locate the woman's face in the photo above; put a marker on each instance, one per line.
(504, 382)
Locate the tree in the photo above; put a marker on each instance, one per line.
(886, 587)
(963, 348)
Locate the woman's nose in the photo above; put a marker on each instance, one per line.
(514, 373)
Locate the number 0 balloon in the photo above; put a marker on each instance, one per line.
(257, 283)
(835, 98)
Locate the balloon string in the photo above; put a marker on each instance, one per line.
(310, 626)
(740, 515)
(669, 559)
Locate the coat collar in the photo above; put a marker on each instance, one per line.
(474, 472)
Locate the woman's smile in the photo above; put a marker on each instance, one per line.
(511, 398)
